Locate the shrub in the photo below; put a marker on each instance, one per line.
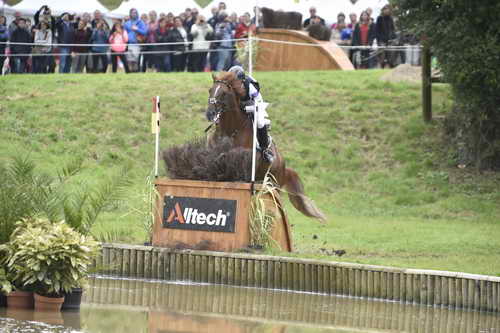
(464, 35)
(51, 257)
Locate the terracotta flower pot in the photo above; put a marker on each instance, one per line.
(48, 304)
(20, 300)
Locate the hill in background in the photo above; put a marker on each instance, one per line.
(391, 189)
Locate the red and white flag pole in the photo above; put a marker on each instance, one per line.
(155, 129)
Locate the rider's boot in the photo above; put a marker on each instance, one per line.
(265, 144)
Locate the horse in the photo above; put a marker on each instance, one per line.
(230, 121)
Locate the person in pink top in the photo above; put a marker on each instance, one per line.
(118, 42)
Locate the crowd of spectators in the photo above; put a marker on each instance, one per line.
(136, 42)
(367, 40)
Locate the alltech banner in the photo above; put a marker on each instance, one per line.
(199, 214)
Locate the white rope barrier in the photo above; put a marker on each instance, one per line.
(111, 53)
(358, 47)
(143, 44)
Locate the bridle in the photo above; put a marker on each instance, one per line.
(220, 107)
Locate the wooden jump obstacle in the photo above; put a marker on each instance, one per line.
(211, 216)
(273, 56)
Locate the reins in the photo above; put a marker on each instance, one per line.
(214, 101)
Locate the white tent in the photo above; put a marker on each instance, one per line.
(145, 6)
(7, 11)
(59, 6)
(240, 7)
(376, 5)
(328, 10)
(233, 6)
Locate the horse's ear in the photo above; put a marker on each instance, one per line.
(213, 77)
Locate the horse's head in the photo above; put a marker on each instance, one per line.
(223, 95)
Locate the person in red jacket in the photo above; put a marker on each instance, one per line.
(243, 28)
(364, 34)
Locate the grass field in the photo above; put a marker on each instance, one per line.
(390, 188)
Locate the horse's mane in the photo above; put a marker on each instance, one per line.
(232, 80)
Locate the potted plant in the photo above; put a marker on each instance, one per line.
(12, 293)
(52, 257)
(5, 287)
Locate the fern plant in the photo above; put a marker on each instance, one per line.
(28, 194)
(82, 207)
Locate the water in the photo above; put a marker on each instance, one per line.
(126, 305)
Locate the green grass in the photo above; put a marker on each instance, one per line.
(385, 179)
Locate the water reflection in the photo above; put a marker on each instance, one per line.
(224, 306)
(21, 321)
(124, 305)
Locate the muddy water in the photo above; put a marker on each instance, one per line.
(125, 305)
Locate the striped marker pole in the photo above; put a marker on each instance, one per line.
(155, 129)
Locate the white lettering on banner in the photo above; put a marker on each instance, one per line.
(220, 217)
(201, 218)
(192, 216)
(211, 219)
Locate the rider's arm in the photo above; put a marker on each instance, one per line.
(254, 93)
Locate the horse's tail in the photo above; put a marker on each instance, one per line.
(300, 201)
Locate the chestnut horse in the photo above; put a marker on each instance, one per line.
(230, 121)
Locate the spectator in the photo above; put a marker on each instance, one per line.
(4, 37)
(82, 36)
(161, 36)
(194, 14)
(65, 35)
(243, 28)
(214, 19)
(200, 31)
(42, 48)
(97, 18)
(178, 35)
(369, 10)
(340, 22)
(20, 53)
(312, 12)
(13, 25)
(151, 60)
(337, 29)
(170, 20)
(233, 19)
(87, 19)
(224, 32)
(162, 15)
(45, 14)
(222, 7)
(385, 32)
(118, 41)
(100, 35)
(354, 20)
(137, 32)
(190, 20)
(364, 35)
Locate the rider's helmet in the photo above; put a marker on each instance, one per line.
(238, 71)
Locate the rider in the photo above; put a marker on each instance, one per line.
(252, 96)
